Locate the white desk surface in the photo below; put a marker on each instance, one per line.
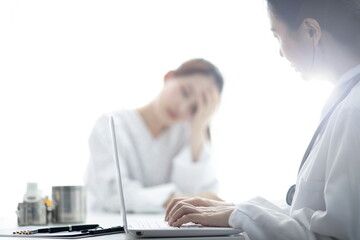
(104, 220)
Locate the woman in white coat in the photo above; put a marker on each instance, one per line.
(318, 38)
(164, 146)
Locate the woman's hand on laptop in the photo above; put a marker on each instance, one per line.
(216, 216)
(209, 195)
(178, 197)
(179, 202)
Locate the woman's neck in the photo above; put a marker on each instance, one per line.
(344, 67)
(340, 60)
(152, 120)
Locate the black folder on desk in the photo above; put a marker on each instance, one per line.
(65, 235)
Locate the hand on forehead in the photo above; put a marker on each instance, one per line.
(199, 83)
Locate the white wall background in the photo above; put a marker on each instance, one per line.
(65, 62)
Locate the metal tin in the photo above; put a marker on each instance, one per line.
(69, 204)
(31, 213)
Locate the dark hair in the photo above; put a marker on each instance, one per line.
(200, 66)
(341, 18)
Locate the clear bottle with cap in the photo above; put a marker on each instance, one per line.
(32, 211)
(32, 193)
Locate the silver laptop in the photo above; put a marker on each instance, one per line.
(159, 228)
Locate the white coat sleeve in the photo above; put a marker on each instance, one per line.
(340, 219)
(342, 186)
(261, 219)
(194, 177)
(101, 180)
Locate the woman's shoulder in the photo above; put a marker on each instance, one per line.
(119, 115)
(121, 118)
(352, 102)
(180, 130)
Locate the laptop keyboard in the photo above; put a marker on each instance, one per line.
(154, 224)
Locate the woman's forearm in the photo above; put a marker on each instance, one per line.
(198, 138)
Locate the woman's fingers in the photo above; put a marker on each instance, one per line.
(171, 205)
(210, 196)
(193, 217)
(183, 210)
(195, 201)
(179, 202)
(206, 103)
(206, 216)
(210, 98)
(213, 97)
(179, 205)
(210, 101)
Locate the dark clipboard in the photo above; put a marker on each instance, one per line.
(70, 235)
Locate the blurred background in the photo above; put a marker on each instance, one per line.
(65, 62)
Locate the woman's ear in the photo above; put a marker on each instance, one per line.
(168, 75)
(312, 29)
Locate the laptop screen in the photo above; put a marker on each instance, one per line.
(117, 165)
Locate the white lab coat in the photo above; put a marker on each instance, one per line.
(151, 168)
(326, 203)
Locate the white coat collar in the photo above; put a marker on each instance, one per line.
(344, 78)
(348, 75)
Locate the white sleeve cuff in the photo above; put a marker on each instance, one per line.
(194, 177)
(152, 199)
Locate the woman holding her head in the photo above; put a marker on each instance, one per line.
(319, 38)
(164, 146)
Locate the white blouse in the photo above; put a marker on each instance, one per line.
(326, 203)
(151, 168)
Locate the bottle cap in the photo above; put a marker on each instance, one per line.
(32, 192)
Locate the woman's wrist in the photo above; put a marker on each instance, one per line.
(198, 138)
(199, 132)
(198, 126)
